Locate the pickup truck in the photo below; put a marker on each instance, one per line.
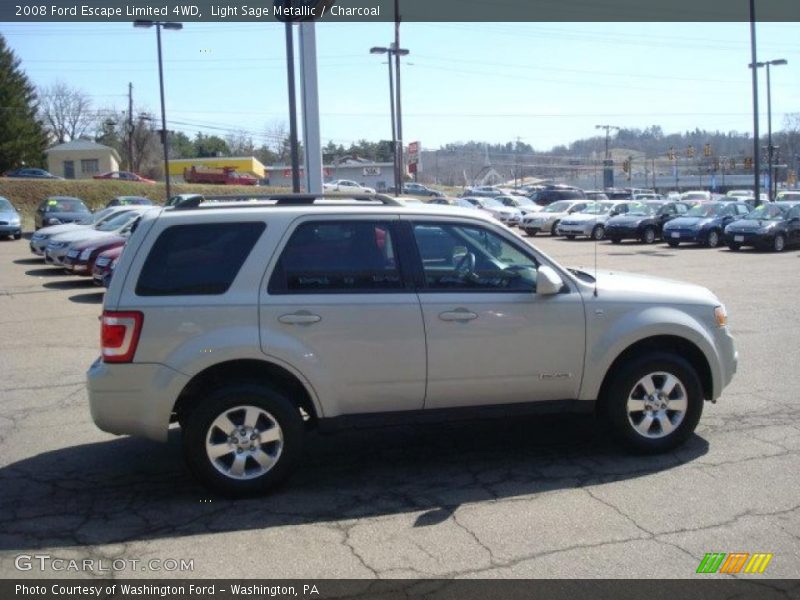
(224, 176)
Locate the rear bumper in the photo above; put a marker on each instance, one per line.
(133, 398)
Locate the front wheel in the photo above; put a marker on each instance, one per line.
(243, 439)
(654, 403)
(673, 243)
(712, 241)
(649, 235)
(779, 243)
(17, 236)
(734, 246)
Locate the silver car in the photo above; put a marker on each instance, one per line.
(547, 219)
(41, 237)
(591, 221)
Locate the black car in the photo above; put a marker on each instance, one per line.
(643, 221)
(704, 223)
(772, 226)
(129, 201)
(57, 210)
(546, 197)
(31, 173)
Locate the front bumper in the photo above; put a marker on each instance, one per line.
(55, 256)
(747, 238)
(622, 233)
(11, 229)
(133, 398)
(685, 235)
(576, 229)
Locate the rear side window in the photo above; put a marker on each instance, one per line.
(191, 260)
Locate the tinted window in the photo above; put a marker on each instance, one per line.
(189, 260)
(470, 258)
(338, 257)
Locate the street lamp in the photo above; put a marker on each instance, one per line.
(396, 117)
(770, 148)
(159, 25)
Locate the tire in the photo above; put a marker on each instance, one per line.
(673, 243)
(598, 233)
(649, 235)
(734, 246)
(530, 232)
(268, 459)
(643, 431)
(712, 241)
(778, 243)
(554, 229)
(615, 240)
(570, 237)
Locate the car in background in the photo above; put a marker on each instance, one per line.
(346, 185)
(123, 176)
(643, 221)
(41, 237)
(522, 203)
(547, 219)
(645, 196)
(418, 189)
(10, 221)
(488, 191)
(739, 194)
(471, 204)
(618, 194)
(119, 224)
(104, 265)
(788, 196)
(704, 223)
(552, 194)
(31, 173)
(57, 210)
(771, 226)
(591, 221)
(693, 196)
(508, 215)
(442, 200)
(596, 195)
(130, 201)
(81, 256)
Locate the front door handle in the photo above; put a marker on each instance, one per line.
(459, 314)
(299, 318)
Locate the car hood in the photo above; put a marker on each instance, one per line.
(97, 242)
(632, 287)
(52, 230)
(751, 224)
(80, 235)
(628, 220)
(679, 222)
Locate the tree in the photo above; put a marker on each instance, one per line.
(22, 137)
(67, 112)
(240, 144)
(181, 146)
(210, 145)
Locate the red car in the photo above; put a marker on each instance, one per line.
(104, 266)
(81, 257)
(124, 176)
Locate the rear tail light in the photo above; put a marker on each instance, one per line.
(119, 335)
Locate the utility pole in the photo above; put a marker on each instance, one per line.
(130, 126)
(608, 164)
(400, 158)
(756, 143)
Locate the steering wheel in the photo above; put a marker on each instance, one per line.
(466, 265)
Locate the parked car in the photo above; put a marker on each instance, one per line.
(694, 196)
(788, 196)
(547, 219)
(418, 189)
(596, 195)
(522, 203)
(507, 215)
(618, 194)
(41, 237)
(119, 224)
(480, 191)
(124, 176)
(443, 200)
(346, 185)
(740, 193)
(771, 226)
(31, 173)
(591, 221)
(10, 221)
(130, 201)
(552, 194)
(643, 221)
(291, 353)
(104, 265)
(57, 210)
(704, 223)
(81, 256)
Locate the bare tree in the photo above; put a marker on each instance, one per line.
(240, 143)
(66, 112)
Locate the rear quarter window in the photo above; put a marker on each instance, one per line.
(202, 259)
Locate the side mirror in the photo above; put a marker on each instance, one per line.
(548, 282)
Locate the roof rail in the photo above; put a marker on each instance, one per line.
(200, 201)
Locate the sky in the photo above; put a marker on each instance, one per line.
(545, 84)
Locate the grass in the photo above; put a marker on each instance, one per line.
(26, 194)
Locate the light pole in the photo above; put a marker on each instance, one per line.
(770, 148)
(159, 25)
(396, 152)
(608, 165)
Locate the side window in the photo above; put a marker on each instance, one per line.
(338, 257)
(191, 260)
(744, 209)
(794, 213)
(682, 209)
(471, 258)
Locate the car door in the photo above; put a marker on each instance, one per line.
(490, 338)
(793, 225)
(339, 308)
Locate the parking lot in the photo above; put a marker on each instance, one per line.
(534, 497)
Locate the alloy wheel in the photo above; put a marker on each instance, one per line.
(657, 405)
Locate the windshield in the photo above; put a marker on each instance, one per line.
(66, 205)
(695, 196)
(116, 222)
(524, 201)
(135, 200)
(595, 208)
(557, 207)
(5, 205)
(766, 212)
(492, 203)
(705, 210)
(643, 210)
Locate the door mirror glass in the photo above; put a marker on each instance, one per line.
(548, 282)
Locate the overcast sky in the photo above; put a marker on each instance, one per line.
(544, 83)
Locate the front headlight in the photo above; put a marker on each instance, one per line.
(86, 254)
(721, 316)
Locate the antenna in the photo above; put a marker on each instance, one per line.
(595, 256)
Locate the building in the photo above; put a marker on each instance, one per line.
(245, 165)
(377, 175)
(81, 159)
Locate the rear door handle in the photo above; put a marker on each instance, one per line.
(459, 314)
(300, 318)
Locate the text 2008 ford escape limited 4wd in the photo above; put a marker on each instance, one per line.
(249, 323)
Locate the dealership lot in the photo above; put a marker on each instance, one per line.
(533, 497)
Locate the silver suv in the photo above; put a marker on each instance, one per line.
(249, 324)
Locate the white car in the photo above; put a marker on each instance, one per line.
(505, 214)
(41, 237)
(346, 185)
(696, 196)
(591, 221)
(547, 219)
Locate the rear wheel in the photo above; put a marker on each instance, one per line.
(712, 241)
(243, 439)
(598, 233)
(649, 235)
(654, 403)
